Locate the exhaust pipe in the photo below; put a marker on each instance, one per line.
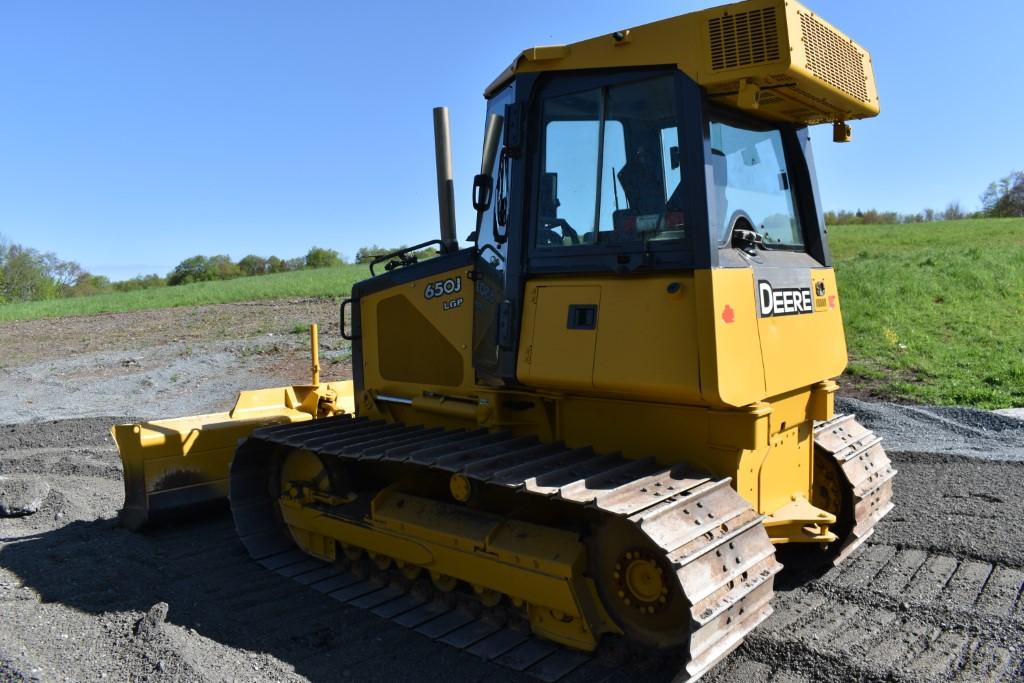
(445, 183)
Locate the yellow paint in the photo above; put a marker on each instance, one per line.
(535, 564)
(314, 346)
(616, 358)
(731, 370)
(454, 324)
(799, 68)
(551, 354)
(800, 522)
(168, 463)
(818, 336)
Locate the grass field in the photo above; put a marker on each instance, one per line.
(934, 312)
(323, 282)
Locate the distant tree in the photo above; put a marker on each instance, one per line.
(88, 284)
(953, 212)
(4, 246)
(192, 269)
(25, 277)
(140, 282)
(30, 275)
(297, 263)
(318, 257)
(63, 273)
(928, 215)
(221, 267)
(367, 254)
(1005, 197)
(276, 265)
(253, 265)
(203, 269)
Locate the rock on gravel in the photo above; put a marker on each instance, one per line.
(1011, 412)
(149, 625)
(20, 496)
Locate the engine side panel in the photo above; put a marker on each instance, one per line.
(415, 329)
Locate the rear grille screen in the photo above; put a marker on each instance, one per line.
(743, 39)
(833, 59)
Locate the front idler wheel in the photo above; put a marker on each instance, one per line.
(638, 586)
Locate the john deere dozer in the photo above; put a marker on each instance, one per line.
(595, 424)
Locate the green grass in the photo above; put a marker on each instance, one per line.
(934, 312)
(323, 282)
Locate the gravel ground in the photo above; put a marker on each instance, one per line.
(161, 363)
(935, 594)
(942, 430)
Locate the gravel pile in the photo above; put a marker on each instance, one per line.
(940, 430)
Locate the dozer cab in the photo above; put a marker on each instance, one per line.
(596, 423)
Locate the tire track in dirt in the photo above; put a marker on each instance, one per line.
(935, 595)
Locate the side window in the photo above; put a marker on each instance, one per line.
(568, 180)
(610, 171)
(752, 186)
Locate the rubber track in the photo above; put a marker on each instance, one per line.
(724, 561)
(868, 472)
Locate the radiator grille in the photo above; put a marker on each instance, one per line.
(743, 39)
(833, 58)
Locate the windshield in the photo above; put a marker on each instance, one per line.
(610, 169)
(752, 188)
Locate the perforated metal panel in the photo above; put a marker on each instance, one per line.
(743, 39)
(833, 58)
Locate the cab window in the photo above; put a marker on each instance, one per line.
(610, 171)
(752, 186)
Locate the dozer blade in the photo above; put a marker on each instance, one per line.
(176, 464)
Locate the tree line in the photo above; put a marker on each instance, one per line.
(220, 267)
(1003, 198)
(30, 275)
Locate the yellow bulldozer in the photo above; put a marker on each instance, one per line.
(595, 424)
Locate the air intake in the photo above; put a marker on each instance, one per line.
(834, 58)
(743, 39)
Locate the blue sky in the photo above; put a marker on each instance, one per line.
(136, 134)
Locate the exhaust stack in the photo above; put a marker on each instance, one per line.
(445, 182)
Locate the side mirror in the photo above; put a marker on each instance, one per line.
(483, 184)
(483, 189)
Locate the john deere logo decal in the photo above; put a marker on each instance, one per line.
(776, 301)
